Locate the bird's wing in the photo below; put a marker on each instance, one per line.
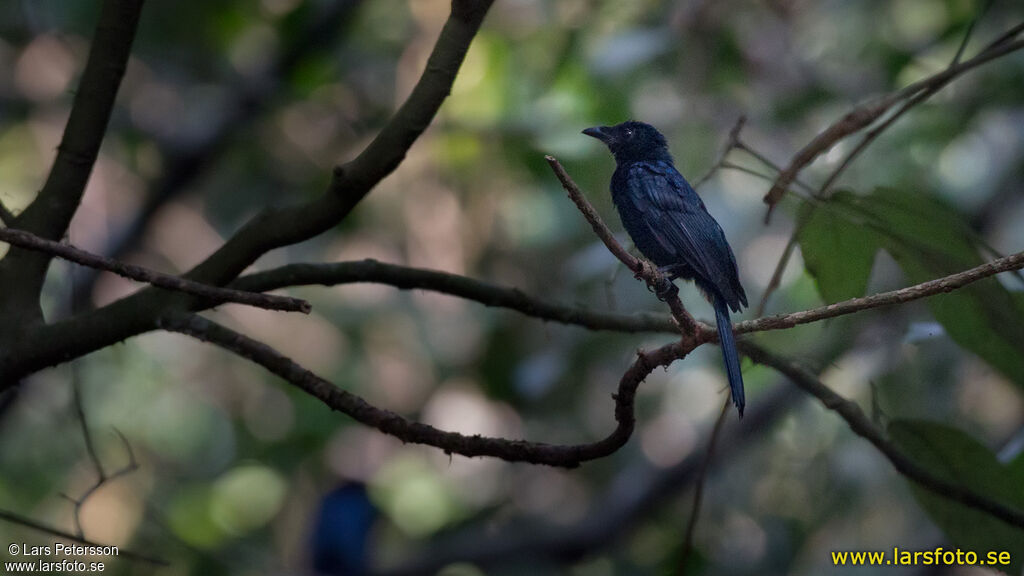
(675, 215)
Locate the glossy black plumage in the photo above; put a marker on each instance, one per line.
(671, 227)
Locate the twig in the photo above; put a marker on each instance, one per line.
(90, 448)
(103, 478)
(6, 216)
(780, 269)
(730, 145)
(741, 145)
(656, 281)
(863, 427)
(568, 456)
(698, 493)
(970, 30)
(863, 115)
(40, 527)
(873, 134)
(30, 241)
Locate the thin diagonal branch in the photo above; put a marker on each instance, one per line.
(641, 268)
(970, 30)
(864, 115)
(6, 216)
(48, 216)
(27, 522)
(567, 456)
(698, 493)
(68, 252)
(730, 144)
(874, 133)
(861, 425)
(600, 229)
(102, 477)
(915, 292)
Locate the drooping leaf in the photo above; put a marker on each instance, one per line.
(837, 252)
(929, 240)
(952, 455)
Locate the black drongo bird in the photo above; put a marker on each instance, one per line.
(671, 227)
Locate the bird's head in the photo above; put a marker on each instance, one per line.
(631, 141)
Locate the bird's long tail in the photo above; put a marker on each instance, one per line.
(732, 359)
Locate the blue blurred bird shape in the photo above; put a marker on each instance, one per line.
(671, 227)
(342, 532)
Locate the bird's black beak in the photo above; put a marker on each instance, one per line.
(602, 133)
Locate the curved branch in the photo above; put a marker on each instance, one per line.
(354, 180)
(861, 425)
(68, 252)
(624, 505)
(568, 456)
(245, 101)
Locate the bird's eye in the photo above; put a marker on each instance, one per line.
(629, 132)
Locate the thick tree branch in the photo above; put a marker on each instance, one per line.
(22, 273)
(138, 313)
(493, 295)
(246, 101)
(567, 456)
(861, 425)
(354, 180)
(68, 252)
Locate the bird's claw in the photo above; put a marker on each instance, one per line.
(666, 289)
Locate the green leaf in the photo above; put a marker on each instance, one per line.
(837, 252)
(929, 240)
(953, 455)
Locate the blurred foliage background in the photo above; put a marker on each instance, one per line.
(233, 463)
